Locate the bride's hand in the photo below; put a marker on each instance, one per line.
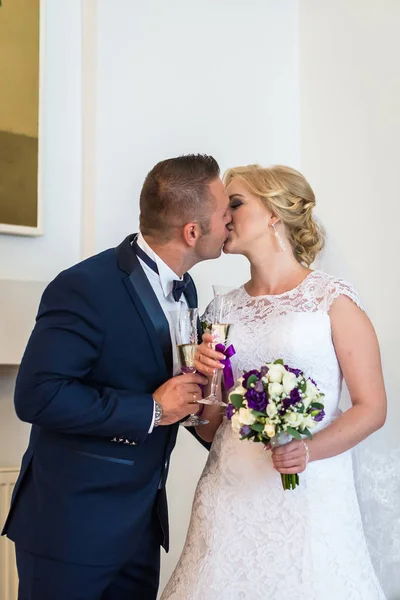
(290, 458)
(207, 359)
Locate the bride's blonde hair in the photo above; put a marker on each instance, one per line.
(288, 195)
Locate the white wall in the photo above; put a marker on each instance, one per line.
(215, 77)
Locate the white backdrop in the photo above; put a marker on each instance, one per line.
(310, 84)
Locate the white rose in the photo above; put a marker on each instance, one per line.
(240, 389)
(269, 430)
(276, 373)
(311, 390)
(236, 424)
(289, 382)
(275, 389)
(308, 422)
(293, 419)
(311, 394)
(246, 416)
(271, 409)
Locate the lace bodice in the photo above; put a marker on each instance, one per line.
(294, 326)
(247, 537)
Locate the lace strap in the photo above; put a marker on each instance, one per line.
(340, 287)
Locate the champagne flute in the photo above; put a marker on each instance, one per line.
(184, 323)
(220, 330)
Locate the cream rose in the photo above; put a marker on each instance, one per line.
(289, 382)
(246, 416)
(275, 389)
(293, 419)
(276, 373)
(269, 430)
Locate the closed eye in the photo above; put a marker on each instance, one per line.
(235, 201)
(235, 204)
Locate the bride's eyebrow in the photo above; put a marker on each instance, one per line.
(235, 196)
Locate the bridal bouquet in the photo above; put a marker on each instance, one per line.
(273, 405)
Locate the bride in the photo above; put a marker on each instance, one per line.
(248, 539)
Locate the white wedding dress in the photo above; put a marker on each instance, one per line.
(248, 539)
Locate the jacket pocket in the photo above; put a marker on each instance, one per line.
(122, 461)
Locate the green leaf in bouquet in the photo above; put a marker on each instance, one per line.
(308, 433)
(303, 386)
(294, 433)
(257, 427)
(314, 413)
(248, 436)
(300, 408)
(317, 405)
(236, 400)
(279, 361)
(251, 379)
(257, 413)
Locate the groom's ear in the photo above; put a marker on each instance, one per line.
(191, 233)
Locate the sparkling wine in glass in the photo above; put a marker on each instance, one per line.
(184, 322)
(220, 330)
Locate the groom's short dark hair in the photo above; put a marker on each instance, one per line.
(175, 192)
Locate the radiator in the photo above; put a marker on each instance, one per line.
(8, 571)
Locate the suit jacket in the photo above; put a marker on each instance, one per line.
(99, 349)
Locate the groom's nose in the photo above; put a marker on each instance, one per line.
(228, 218)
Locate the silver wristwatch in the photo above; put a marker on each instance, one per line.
(158, 413)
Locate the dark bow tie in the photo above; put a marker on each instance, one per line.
(179, 286)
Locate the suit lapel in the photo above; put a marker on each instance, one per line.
(191, 298)
(146, 302)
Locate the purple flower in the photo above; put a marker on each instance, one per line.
(295, 395)
(230, 410)
(319, 416)
(293, 398)
(245, 430)
(312, 381)
(256, 400)
(263, 371)
(248, 374)
(296, 372)
(258, 386)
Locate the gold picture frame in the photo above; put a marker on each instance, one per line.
(21, 73)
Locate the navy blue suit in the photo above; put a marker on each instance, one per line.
(99, 349)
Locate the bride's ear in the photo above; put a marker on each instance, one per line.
(273, 220)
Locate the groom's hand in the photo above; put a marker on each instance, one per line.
(178, 396)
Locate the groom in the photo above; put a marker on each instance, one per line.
(89, 510)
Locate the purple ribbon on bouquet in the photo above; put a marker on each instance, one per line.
(228, 373)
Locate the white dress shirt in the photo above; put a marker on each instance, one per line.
(162, 284)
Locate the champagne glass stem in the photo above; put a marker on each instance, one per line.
(215, 380)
